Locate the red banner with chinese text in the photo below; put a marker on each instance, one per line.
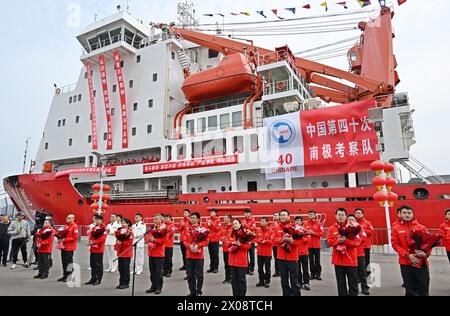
(123, 100)
(109, 139)
(110, 171)
(338, 139)
(192, 164)
(92, 103)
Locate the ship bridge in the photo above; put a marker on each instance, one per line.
(117, 32)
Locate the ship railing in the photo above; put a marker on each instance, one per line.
(68, 88)
(109, 41)
(144, 195)
(217, 105)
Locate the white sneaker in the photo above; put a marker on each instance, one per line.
(108, 270)
(13, 266)
(139, 273)
(113, 271)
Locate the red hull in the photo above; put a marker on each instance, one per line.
(57, 195)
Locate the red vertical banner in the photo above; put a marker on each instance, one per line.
(92, 101)
(101, 60)
(123, 100)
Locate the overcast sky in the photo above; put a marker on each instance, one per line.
(39, 48)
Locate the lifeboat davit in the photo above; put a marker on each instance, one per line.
(234, 75)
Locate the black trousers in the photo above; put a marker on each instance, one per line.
(43, 260)
(239, 281)
(168, 260)
(183, 253)
(264, 269)
(67, 261)
(289, 278)
(96, 261)
(213, 249)
(4, 249)
(314, 262)
(362, 273)
(416, 281)
(448, 255)
(251, 258)
(124, 271)
(17, 245)
(274, 251)
(227, 267)
(367, 257)
(195, 275)
(303, 270)
(156, 268)
(342, 275)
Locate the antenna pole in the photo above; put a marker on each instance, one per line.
(25, 156)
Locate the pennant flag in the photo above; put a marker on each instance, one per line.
(293, 10)
(308, 6)
(324, 4)
(222, 15)
(382, 3)
(261, 13)
(209, 14)
(246, 13)
(235, 14)
(363, 3)
(400, 2)
(275, 11)
(344, 4)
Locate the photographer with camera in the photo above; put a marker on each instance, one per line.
(20, 234)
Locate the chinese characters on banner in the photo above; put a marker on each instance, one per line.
(93, 114)
(334, 140)
(192, 164)
(109, 140)
(123, 101)
(110, 171)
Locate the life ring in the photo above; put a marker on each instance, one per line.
(58, 91)
(281, 85)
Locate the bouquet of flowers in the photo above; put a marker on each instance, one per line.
(199, 234)
(242, 235)
(122, 234)
(350, 232)
(96, 233)
(423, 241)
(294, 231)
(43, 234)
(61, 234)
(160, 231)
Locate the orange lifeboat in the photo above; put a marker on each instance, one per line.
(234, 75)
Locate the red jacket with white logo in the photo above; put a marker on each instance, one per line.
(360, 249)
(368, 229)
(97, 242)
(190, 240)
(213, 224)
(349, 257)
(183, 228)
(170, 237)
(401, 237)
(249, 224)
(264, 241)
(45, 245)
(157, 247)
(317, 230)
(239, 258)
(303, 246)
(71, 240)
(225, 234)
(125, 245)
(444, 231)
(281, 253)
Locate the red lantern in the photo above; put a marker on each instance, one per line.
(96, 187)
(105, 206)
(106, 197)
(380, 197)
(377, 166)
(390, 182)
(388, 167)
(94, 206)
(392, 198)
(106, 188)
(95, 197)
(379, 182)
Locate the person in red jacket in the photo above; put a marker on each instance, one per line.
(226, 228)
(264, 241)
(344, 257)
(238, 260)
(213, 224)
(444, 231)
(413, 266)
(250, 223)
(168, 258)
(69, 243)
(44, 244)
(183, 229)
(303, 258)
(361, 256)
(287, 253)
(124, 248)
(273, 227)
(97, 240)
(315, 245)
(369, 230)
(196, 240)
(156, 241)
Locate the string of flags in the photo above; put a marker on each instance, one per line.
(294, 10)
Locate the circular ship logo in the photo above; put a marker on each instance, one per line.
(283, 132)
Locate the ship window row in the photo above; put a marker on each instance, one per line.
(62, 123)
(76, 98)
(212, 123)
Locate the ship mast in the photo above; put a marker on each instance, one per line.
(186, 15)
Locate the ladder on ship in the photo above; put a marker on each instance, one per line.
(421, 171)
(183, 59)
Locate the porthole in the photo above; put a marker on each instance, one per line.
(223, 189)
(193, 190)
(421, 194)
(314, 185)
(325, 184)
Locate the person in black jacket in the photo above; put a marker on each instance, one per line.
(4, 239)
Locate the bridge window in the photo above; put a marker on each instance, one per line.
(212, 54)
(237, 119)
(212, 123)
(224, 121)
(201, 125)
